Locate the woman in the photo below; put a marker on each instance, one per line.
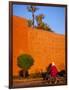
(53, 72)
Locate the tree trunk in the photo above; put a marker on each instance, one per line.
(33, 18)
(24, 73)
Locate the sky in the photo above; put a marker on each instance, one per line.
(54, 16)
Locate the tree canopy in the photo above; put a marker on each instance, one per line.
(25, 61)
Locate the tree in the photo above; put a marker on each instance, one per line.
(24, 62)
(39, 19)
(32, 8)
(41, 24)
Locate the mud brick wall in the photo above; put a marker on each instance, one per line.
(45, 47)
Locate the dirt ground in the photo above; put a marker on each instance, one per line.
(37, 82)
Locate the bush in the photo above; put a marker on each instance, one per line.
(24, 62)
(62, 73)
(30, 23)
(44, 26)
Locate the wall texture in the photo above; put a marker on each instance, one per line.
(45, 47)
